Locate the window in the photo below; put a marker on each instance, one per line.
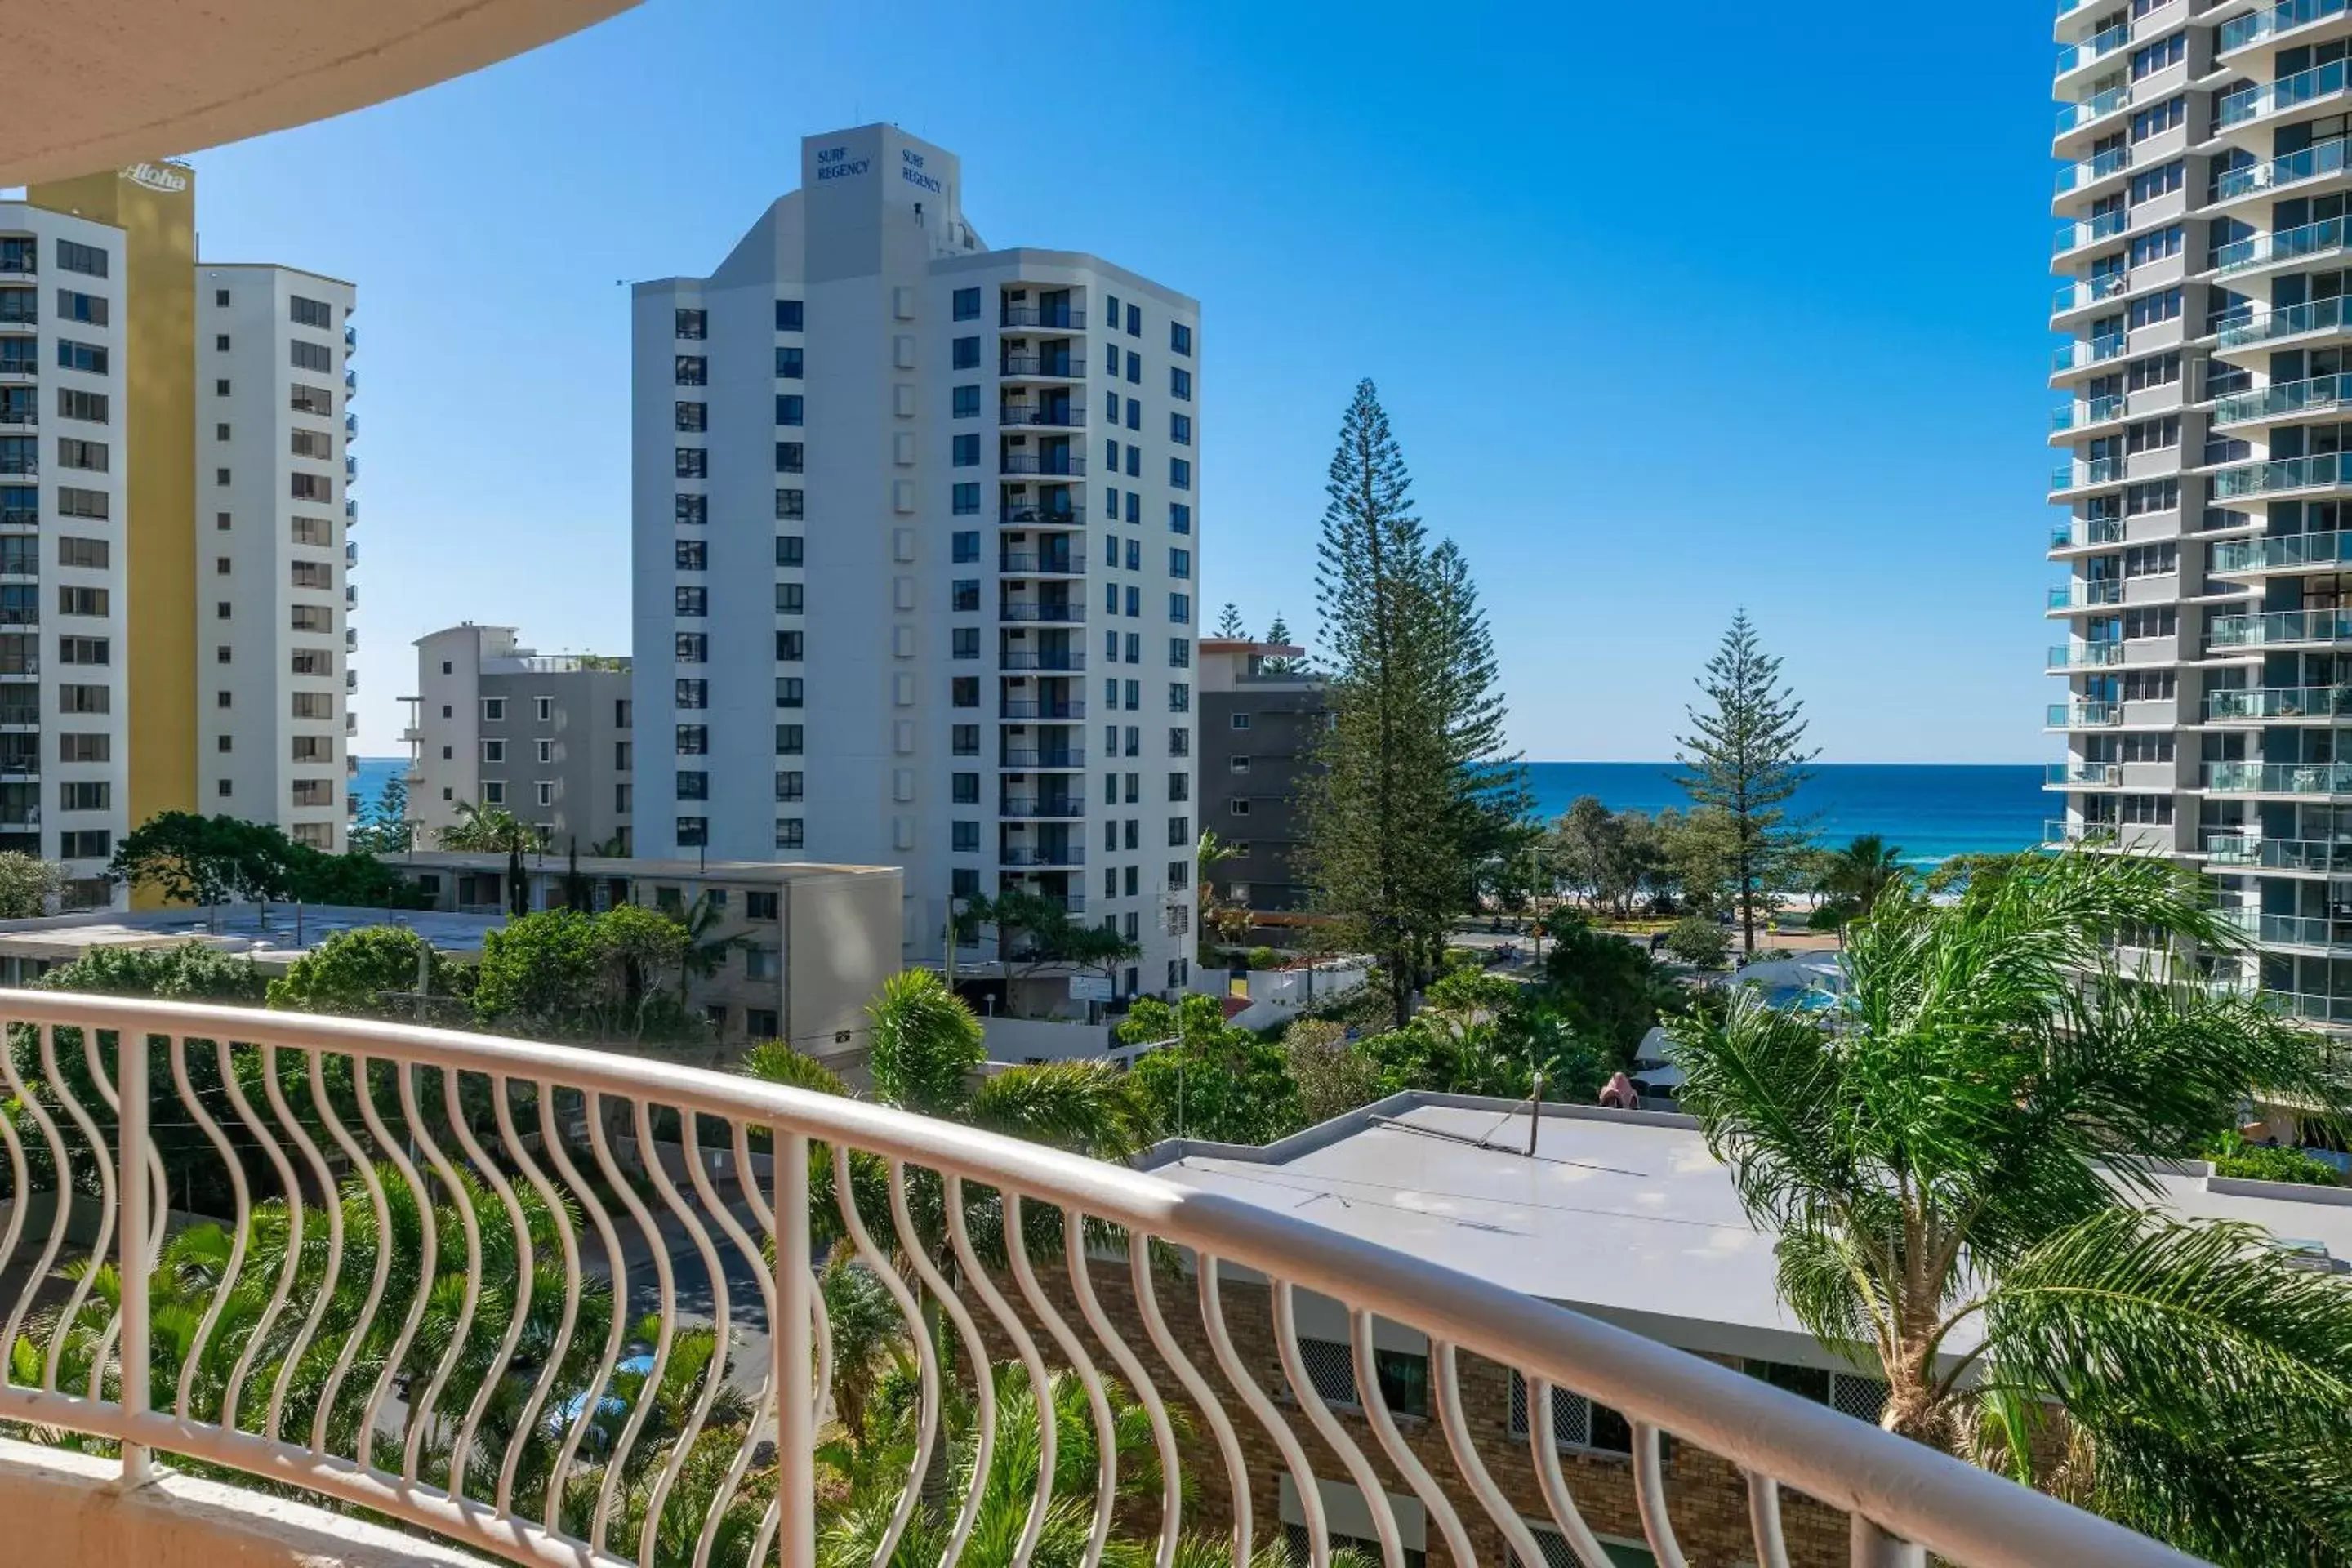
(304, 443)
(85, 552)
(693, 648)
(964, 353)
(693, 418)
(963, 596)
(1180, 653)
(84, 258)
(89, 310)
(1180, 338)
(788, 549)
(964, 740)
(790, 598)
(2161, 55)
(963, 692)
(90, 843)
(693, 832)
(791, 505)
(1180, 697)
(788, 692)
(1180, 429)
(693, 740)
(94, 795)
(315, 400)
(790, 785)
(965, 403)
(494, 751)
(788, 315)
(85, 651)
(311, 618)
(1403, 1376)
(759, 906)
(692, 693)
(1238, 807)
(788, 457)
(965, 547)
(965, 451)
(790, 409)
(964, 500)
(1180, 517)
(692, 511)
(2159, 118)
(789, 833)
(1134, 367)
(1180, 742)
(693, 785)
(1179, 474)
(693, 601)
(310, 486)
(967, 304)
(964, 838)
(1179, 608)
(964, 789)
(90, 455)
(1180, 383)
(75, 746)
(693, 463)
(1179, 788)
(87, 406)
(310, 356)
(965, 642)
(81, 602)
(1576, 1421)
(789, 646)
(692, 323)
(693, 555)
(1179, 563)
(692, 370)
(1134, 414)
(791, 740)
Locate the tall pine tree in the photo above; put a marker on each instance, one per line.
(1412, 786)
(1229, 624)
(1745, 758)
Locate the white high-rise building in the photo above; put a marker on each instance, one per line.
(274, 639)
(917, 554)
(2209, 659)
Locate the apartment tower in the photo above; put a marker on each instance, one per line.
(173, 637)
(2208, 649)
(894, 492)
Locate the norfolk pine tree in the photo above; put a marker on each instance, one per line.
(1411, 792)
(1744, 759)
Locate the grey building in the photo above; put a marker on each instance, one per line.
(545, 736)
(1259, 709)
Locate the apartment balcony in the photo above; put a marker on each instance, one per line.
(2270, 702)
(1025, 711)
(2090, 231)
(2084, 412)
(19, 816)
(1049, 614)
(20, 467)
(2073, 58)
(351, 427)
(350, 339)
(2083, 715)
(1029, 806)
(2293, 779)
(2322, 857)
(2278, 628)
(2084, 172)
(2316, 933)
(2259, 182)
(1045, 318)
(2085, 654)
(2274, 21)
(588, 1179)
(2086, 596)
(2288, 247)
(2263, 100)
(1042, 855)
(2326, 471)
(2087, 474)
(2086, 352)
(1067, 416)
(2089, 112)
(351, 383)
(19, 265)
(2081, 776)
(2278, 553)
(1031, 659)
(1043, 760)
(20, 419)
(1029, 563)
(1042, 515)
(2252, 329)
(2319, 395)
(2087, 533)
(1041, 367)
(1067, 465)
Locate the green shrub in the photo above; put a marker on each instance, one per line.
(2233, 1156)
(1699, 942)
(1263, 957)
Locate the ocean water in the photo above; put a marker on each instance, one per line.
(1928, 811)
(373, 774)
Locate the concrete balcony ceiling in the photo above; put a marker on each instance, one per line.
(178, 77)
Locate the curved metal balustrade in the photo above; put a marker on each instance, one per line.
(497, 1290)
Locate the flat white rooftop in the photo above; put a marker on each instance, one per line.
(275, 937)
(1622, 1214)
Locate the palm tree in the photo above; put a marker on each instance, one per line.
(705, 953)
(484, 828)
(1955, 1172)
(1853, 879)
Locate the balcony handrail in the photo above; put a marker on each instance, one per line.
(2316, 393)
(2287, 245)
(2271, 20)
(1893, 1488)
(2270, 97)
(2323, 469)
(2279, 550)
(2287, 169)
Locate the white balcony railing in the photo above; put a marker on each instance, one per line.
(538, 1199)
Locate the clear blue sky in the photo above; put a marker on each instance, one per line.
(1673, 310)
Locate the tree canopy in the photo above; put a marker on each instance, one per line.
(1744, 759)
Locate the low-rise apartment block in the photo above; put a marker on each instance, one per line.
(545, 736)
(1261, 709)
